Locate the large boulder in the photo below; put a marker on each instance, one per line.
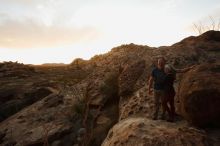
(141, 131)
(199, 95)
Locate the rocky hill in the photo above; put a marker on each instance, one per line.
(104, 100)
(12, 69)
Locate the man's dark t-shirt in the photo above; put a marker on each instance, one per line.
(159, 78)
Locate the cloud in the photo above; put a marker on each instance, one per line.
(27, 2)
(41, 23)
(3, 15)
(29, 33)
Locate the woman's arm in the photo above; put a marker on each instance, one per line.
(183, 70)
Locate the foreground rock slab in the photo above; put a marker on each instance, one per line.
(145, 132)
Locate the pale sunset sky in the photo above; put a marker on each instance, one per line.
(57, 31)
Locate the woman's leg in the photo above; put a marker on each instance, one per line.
(165, 106)
(157, 104)
(172, 106)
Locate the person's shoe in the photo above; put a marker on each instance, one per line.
(170, 120)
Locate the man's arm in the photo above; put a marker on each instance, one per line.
(150, 83)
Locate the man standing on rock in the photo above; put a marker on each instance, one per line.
(157, 76)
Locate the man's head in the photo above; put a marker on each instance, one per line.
(161, 63)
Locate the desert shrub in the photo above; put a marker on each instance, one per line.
(79, 108)
(76, 110)
(110, 85)
(209, 23)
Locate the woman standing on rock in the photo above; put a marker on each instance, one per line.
(169, 91)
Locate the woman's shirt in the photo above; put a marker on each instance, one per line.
(169, 81)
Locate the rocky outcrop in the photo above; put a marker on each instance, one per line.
(48, 116)
(139, 104)
(129, 76)
(141, 131)
(199, 95)
(15, 104)
(210, 36)
(14, 69)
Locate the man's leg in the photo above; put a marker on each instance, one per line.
(165, 106)
(156, 104)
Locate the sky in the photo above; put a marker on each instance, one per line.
(57, 31)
